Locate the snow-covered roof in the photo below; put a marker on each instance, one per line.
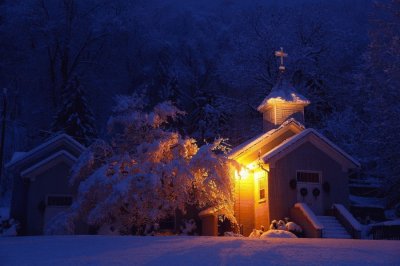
(292, 140)
(282, 92)
(254, 141)
(211, 211)
(19, 157)
(47, 163)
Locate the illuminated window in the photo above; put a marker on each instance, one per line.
(261, 188)
(307, 177)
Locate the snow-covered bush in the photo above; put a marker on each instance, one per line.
(232, 234)
(278, 234)
(281, 225)
(256, 233)
(60, 224)
(146, 173)
(286, 226)
(293, 227)
(9, 227)
(273, 225)
(189, 227)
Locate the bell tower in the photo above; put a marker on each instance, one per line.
(283, 102)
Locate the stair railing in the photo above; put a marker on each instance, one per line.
(352, 226)
(305, 217)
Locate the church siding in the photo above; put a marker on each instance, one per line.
(305, 157)
(261, 206)
(278, 113)
(244, 207)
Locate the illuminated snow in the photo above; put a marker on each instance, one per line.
(183, 250)
(283, 92)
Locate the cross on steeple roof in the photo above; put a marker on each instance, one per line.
(281, 54)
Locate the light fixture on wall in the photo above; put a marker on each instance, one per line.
(244, 173)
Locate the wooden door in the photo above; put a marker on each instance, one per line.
(309, 190)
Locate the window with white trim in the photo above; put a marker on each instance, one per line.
(308, 177)
(262, 188)
(59, 200)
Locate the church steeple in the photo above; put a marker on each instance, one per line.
(283, 102)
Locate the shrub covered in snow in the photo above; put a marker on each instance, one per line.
(256, 233)
(146, 173)
(189, 227)
(232, 234)
(291, 226)
(9, 227)
(286, 226)
(278, 234)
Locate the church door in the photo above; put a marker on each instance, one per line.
(309, 190)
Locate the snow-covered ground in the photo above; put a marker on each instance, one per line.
(118, 250)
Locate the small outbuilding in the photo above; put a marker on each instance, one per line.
(41, 186)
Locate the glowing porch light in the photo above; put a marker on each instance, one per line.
(242, 174)
(258, 175)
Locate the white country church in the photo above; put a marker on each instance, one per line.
(291, 171)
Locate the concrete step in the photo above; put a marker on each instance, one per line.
(331, 223)
(332, 228)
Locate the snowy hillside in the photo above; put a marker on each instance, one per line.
(102, 250)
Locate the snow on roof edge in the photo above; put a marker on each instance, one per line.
(17, 155)
(68, 155)
(210, 211)
(288, 142)
(282, 92)
(42, 146)
(296, 100)
(241, 148)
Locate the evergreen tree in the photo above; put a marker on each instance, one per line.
(321, 105)
(208, 120)
(74, 116)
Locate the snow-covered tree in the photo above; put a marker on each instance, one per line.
(146, 173)
(74, 116)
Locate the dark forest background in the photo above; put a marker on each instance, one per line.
(63, 63)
